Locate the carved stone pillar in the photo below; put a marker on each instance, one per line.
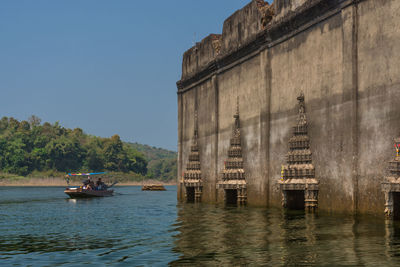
(284, 199)
(242, 196)
(389, 204)
(311, 200)
(197, 194)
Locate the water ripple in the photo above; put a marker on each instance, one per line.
(42, 227)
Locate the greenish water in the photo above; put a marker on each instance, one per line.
(42, 227)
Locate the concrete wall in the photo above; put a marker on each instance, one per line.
(199, 56)
(285, 7)
(311, 63)
(342, 55)
(244, 81)
(379, 95)
(241, 27)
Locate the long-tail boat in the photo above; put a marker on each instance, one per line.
(87, 191)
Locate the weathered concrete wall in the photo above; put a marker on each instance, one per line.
(379, 94)
(200, 55)
(244, 81)
(242, 26)
(341, 54)
(284, 7)
(207, 108)
(311, 63)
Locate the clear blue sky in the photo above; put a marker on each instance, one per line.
(106, 66)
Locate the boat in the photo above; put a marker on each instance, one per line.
(88, 189)
(79, 192)
(153, 187)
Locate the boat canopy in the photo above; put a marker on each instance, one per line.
(85, 174)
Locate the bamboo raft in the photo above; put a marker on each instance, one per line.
(153, 187)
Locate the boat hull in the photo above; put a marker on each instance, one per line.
(83, 193)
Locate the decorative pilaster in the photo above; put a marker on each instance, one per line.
(233, 175)
(192, 179)
(299, 172)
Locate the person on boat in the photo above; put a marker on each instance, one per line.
(100, 185)
(86, 183)
(91, 186)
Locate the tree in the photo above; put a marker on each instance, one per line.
(64, 154)
(16, 159)
(94, 160)
(113, 149)
(39, 157)
(135, 161)
(24, 126)
(27, 146)
(164, 169)
(13, 124)
(34, 121)
(3, 124)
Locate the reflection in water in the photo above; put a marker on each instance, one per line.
(72, 200)
(42, 227)
(223, 236)
(392, 231)
(293, 229)
(210, 235)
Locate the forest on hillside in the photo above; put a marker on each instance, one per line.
(162, 163)
(29, 146)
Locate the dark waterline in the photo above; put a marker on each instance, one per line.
(41, 227)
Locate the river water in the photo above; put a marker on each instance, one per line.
(40, 226)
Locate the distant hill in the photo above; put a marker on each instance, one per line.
(162, 163)
(36, 149)
(29, 146)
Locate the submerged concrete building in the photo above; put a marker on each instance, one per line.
(342, 54)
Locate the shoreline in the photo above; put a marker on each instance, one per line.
(62, 182)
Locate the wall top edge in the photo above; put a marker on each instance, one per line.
(280, 27)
